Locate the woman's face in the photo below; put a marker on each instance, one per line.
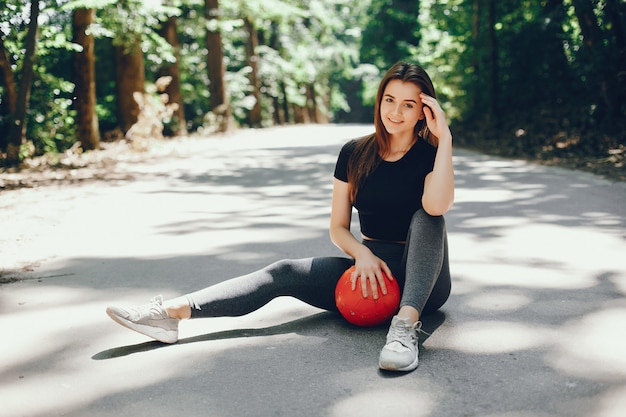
(401, 107)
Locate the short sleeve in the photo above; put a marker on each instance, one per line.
(341, 168)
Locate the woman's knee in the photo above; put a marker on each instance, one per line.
(421, 220)
(284, 267)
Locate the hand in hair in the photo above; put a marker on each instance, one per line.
(435, 118)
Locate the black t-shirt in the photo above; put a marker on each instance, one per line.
(392, 193)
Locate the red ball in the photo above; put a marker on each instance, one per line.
(366, 311)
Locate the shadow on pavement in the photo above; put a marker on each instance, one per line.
(535, 325)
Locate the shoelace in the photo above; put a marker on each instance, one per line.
(157, 300)
(418, 328)
(151, 308)
(402, 333)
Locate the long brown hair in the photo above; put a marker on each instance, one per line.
(366, 154)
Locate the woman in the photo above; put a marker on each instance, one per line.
(401, 181)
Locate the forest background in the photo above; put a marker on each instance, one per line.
(543, 80)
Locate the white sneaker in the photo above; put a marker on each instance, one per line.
(150, 319)
(400, 352)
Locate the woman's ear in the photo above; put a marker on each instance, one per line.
(421, 115)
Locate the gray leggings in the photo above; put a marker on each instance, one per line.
(420, 266)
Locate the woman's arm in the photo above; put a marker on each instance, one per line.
(439, 184)
(368, 266)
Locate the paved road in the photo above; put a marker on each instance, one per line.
(535, 326)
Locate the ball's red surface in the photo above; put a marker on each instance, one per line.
(366, 311)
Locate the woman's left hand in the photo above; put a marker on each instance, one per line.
(435, 117)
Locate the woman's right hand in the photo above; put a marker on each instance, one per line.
(370, 273)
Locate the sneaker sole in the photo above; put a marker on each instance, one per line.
(150, 331)
(394, 367)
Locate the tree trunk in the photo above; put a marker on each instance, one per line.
(287, 118)
(17, 130)
(281, 99)
(7, 79)
(219, 102)
(254, 116)
(85, 81)
(175, 97)
(475, 55)
(129, 78)
(492, 56)
(619, 33)
(602, 67)
(277, 112)
(311, 102)
(300, 115)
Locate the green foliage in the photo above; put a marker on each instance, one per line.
(391, 33)
(532, 91)
(51, 122)
(532, 86)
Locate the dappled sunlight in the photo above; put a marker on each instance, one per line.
(499, 301)
(48, 360)
(62, 390)
(536, 312)
(611, 403)
(65, 313)
(593, 346)
(523, 413)
(523, 274)
(489, 222)
(534, 255)
(28, 299)
(481, 164)
(59, 374)
(485, 195)
(571, 246)
(488, 337)
(600, 218)
(227, 238)
(249, 190)
(618, 281)
(386, 402)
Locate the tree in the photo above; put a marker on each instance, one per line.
(254, 116)
(88, 132)
(518, 76)
(129, 78)
(391, 32)
(492, 61)
(17, 130)
(604, 46)
(175, 97)
(484, 60)
(7, 106)
(215, 65)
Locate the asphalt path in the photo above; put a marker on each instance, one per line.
(535, 325)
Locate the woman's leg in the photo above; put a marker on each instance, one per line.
(426, 288)
(427, 271)
(311, 280)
